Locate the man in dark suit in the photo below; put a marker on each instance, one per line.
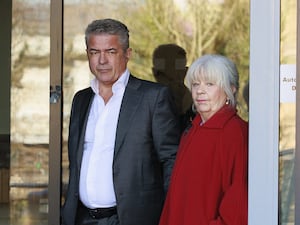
(123, 138)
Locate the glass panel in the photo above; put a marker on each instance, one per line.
(5, 33)
(287, 112)
(29, 112)
(191, 24)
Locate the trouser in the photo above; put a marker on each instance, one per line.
(84, 218)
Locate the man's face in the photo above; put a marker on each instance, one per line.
(107, 59)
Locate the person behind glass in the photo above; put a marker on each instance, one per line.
(169, 68)
(246, 95)
(123, 138)
(209, 181)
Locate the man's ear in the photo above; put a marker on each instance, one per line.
(128, 53)
(185, 71)
(87, 53)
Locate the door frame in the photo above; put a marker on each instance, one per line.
(56, 111)
(264, 111)
(297, 153)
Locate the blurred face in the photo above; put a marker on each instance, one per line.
(208, 98)
(170, 71)
(170, 76)
(107, 60)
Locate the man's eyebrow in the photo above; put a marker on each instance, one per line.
(110, 49)
(106, 50)
(93, 49)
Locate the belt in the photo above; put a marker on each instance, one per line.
(100, 213)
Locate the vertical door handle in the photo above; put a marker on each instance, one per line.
(55, 93)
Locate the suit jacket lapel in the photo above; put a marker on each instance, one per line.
(84, 108)
(129, 106)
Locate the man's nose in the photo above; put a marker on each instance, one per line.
(102, 58)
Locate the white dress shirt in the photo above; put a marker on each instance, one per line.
(96, 178)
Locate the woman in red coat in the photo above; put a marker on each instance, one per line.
(209, 180)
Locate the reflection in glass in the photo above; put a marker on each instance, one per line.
(197, 26)
(29, 112)
(287, 118)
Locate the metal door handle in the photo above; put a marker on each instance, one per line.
(55, 94)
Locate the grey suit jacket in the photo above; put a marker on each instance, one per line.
(147, 138)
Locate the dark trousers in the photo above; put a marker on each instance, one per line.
(83, 218)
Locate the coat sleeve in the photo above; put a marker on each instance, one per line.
(233, 208)
(166, 132)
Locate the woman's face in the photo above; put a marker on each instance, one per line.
(208, 98)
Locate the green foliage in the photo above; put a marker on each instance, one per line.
(200, 27)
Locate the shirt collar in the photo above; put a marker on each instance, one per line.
(119, 84)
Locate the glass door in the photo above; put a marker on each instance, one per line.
(5, 32)
(287, 137)
(35, 162)
(29, 147)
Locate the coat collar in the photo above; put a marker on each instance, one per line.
(219, 119)
(85, 103)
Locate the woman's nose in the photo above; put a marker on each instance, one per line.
(201, 89)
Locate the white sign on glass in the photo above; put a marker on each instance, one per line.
(288, 83)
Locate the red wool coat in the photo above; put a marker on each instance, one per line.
(209, 180)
